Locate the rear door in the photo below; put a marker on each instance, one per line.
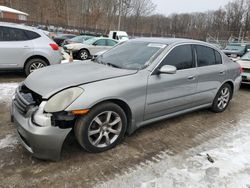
(170, 93)
(211, 73)
(15, 47)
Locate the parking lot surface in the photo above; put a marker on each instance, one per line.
(170, 152)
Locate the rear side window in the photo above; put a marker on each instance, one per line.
(218, 59)
(12, 34)
(111, 43)
(181, 57)
(32, 35)
(205, 56)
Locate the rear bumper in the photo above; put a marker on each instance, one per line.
(41, 142)
(245, 78)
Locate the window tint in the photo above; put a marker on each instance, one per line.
(111, 43)
(32, 35)
(12, 34)
(218, 57)
(101, 42)
(181, 57)
(205, 56)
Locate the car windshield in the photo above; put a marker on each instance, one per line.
(235, 47)
(131, 55)
(91, 41)
(246, 57)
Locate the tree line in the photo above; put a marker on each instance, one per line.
(138, 17)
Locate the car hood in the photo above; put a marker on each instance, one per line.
(76, 46)
(52, 79)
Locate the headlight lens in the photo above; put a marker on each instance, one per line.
(62, 100)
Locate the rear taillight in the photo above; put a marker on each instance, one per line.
(241, 70)
(54, 46)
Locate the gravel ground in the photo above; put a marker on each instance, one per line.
(170, 153)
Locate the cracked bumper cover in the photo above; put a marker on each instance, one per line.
(41, 142)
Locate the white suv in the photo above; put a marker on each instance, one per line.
(27, 48)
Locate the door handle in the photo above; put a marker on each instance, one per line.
(222, 72)
(191, 78)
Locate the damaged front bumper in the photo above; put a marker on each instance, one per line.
(41, 142)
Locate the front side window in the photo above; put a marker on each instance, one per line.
(12, 34)
(181, 57)
(205, 56)
(101, 42)
(111, 43)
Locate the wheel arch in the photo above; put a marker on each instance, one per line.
(36, 57)
(125, 107)
(84, 49)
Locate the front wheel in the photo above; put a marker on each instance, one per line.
(222, 98)
(102, 128)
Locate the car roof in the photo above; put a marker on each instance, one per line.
(18, 26)
(168, 41)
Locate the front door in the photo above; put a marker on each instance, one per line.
(170, 93)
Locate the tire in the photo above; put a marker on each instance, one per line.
(95, 134)
(222, 99)
(33, 65)
(83, 54)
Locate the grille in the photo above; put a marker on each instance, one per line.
(25, 98)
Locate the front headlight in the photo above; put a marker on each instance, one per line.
(62, 100)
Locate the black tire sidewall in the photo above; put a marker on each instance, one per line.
(215, 107)
(82, 126)
(30, 62)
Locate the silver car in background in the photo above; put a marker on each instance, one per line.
(90, 48)
(244, 62)
(26, 48)
(136, 83)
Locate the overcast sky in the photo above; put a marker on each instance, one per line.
(185, 6)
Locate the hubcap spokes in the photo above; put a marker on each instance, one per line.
(84, 55)
(105, 129)
(224, 98)
(35, 66)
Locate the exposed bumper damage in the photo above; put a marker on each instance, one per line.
(42, 142)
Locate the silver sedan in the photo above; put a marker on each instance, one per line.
(136, 83)
(90, 47)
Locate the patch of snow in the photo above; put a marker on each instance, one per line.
(9, 141)
(7, 90)
(231, 167)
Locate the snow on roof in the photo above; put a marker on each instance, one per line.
(11, 10)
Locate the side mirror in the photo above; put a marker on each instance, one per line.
(167, 69)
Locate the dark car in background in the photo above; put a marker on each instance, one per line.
(77, 39)
(236, 49)
(59, 39)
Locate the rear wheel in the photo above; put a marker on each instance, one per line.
(83, 54)
(102, 128)
(33, 65)
(222, 98)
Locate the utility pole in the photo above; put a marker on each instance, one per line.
(120, 15)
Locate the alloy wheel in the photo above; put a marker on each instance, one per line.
(105, 129)
(223, 98)
(36, 65)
